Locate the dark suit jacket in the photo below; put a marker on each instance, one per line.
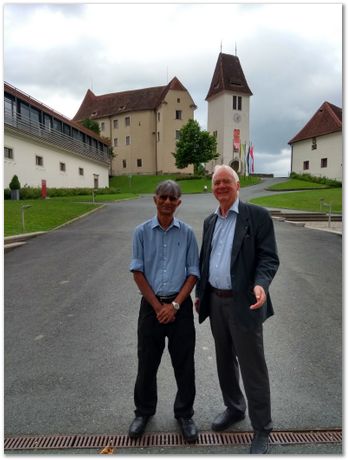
(254, 261)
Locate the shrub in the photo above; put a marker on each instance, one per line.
(15, 184)
(319, 180)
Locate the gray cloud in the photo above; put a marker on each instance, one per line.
(290, 75)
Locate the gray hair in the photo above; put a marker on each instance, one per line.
(168, 187)
(227, 168)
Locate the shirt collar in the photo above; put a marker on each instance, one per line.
(233, 208)
(155, 223)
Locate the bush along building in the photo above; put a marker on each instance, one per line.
(317, 148)
(143, 126)
(45, 149)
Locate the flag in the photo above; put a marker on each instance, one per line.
(247, 160)
(252, 158)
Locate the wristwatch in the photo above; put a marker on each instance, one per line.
(176, 306)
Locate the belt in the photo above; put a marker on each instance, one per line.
(222, 292)
(166, 299)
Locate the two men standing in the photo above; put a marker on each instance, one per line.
(238, 261)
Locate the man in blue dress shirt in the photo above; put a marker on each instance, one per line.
(165, 266)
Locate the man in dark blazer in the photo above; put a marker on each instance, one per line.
(238, 261)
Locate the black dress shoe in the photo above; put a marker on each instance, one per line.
(259, 443)
(188, 429)
(138, 426)
(226, 419)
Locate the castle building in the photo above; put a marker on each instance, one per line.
(143, 126)
(44, 148)
(229, 112)
(317, 148)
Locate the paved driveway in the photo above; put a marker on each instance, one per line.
(70, 329)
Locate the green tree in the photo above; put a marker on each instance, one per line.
(194, 147)
(92, 125)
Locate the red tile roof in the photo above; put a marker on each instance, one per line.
(39, 105)
(326, 120)
(106, 105)
(228, 76)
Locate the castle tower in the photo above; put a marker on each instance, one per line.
(228, 112)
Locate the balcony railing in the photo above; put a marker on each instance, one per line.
(54, 137)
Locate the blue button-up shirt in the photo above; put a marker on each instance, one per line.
(221, 249)
(166, 257)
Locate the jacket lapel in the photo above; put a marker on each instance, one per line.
(242, 226)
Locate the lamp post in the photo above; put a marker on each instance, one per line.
(25, 206)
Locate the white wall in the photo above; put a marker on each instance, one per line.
(23, 164)
(220, 119)
(328, 146)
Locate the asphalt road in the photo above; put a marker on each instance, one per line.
(71, 311)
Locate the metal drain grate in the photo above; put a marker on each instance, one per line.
(167, 440)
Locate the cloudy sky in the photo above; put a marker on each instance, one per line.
(291, 55)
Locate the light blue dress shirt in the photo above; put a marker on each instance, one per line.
(221, 249)
(165, 257)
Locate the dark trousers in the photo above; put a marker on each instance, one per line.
(237, 347)
(181, 346)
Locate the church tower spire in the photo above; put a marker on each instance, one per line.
(228, 111)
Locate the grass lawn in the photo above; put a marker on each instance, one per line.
(147, 184)
(304, 201)
(42, 216)
(296, 184)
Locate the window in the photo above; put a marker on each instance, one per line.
(178, 114)
(102, 126)
(139, 162)
(66, 129)
(124, 163)
(178, 100)
(177, 134)
(127, 121)
(47, 122)
(314, 143)
(306, 165)
(116, 124)
(237, 102)
(81, 172)
(323, 163)
(128, 140)
(62, 167)
(8, 152)
(38, 160)
(158, 136)
(115, 142)
(215, 134)
(158, 116)
(57, 124)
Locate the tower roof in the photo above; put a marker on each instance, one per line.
(326, 120)
(228, 76)
(105, 105)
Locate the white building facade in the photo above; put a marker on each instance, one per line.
(43, 147)
(317, 149)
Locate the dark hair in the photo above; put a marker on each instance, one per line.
(168, 187)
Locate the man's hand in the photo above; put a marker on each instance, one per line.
(167, 314)
(260, 297)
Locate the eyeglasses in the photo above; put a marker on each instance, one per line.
(166, 197)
